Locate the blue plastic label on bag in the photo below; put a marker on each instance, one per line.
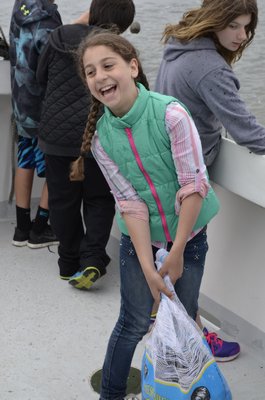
(210, 385)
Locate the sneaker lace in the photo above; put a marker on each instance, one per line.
(213, 340)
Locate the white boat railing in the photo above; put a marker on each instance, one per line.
(233, 284)
(240, 171)
(7, 145)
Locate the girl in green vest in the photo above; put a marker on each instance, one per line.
(148, 149)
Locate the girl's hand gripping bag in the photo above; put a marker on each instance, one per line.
(177, 362)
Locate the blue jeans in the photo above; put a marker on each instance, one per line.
(136, 306)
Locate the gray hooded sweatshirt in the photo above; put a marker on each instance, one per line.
(196, 74)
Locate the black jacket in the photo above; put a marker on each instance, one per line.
(67, 100)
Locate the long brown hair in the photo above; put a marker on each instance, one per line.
(214, 16)
(126, 50)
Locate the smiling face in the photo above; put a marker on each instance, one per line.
(235, 33)
(110, 78)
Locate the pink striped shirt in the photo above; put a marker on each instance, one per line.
(188, 160)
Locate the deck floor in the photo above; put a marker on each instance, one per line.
(53, 337)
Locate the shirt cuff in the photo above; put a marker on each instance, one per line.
(136, 209)
(189, 189)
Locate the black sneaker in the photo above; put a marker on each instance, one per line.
(66, 277)
(86, 278)
(43, 239)
(20, 238)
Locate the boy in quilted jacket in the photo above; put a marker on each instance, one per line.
(83, 233)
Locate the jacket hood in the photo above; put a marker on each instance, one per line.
(174, 48)
(68, 37)
(28, 11)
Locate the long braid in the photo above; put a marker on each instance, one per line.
(77, 166)
(127, 52)
(141, 78)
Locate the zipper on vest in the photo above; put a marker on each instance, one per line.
(150, 183)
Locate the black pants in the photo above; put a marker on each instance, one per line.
(81, 214)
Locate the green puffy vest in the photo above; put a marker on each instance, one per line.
(139, 144)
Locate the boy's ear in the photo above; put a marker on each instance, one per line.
(134, 68)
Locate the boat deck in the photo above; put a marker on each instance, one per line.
(53, 337)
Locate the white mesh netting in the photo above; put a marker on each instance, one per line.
(175, 344)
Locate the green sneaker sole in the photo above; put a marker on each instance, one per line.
(86, 278)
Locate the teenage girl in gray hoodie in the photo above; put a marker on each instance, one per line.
(197, 69)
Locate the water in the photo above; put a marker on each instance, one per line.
(152, 18)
